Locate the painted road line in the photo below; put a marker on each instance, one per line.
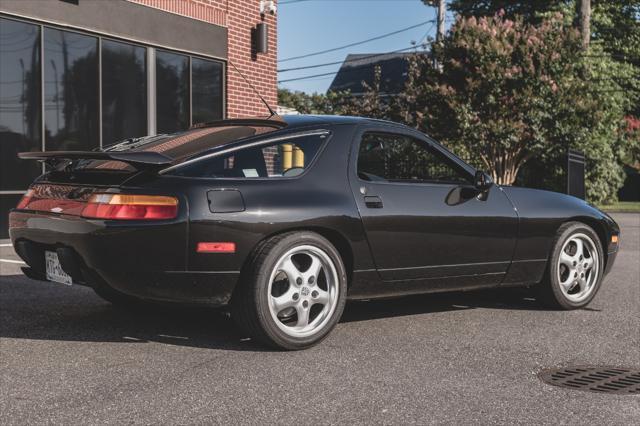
(6, 245)
(18, 262)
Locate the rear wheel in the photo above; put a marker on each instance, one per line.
(293, 293)
(574, 271)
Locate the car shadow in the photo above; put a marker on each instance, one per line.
(47, 311)
(504, 298)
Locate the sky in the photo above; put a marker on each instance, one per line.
(307, 26)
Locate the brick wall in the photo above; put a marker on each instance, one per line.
(239, 16)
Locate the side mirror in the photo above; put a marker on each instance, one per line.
(482, 181)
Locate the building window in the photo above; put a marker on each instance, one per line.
(206, 90)
(20, 101)
(172, 92)
(71, 92)
(124, 91)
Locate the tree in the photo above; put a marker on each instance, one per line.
(531, 11)
(614, 27)
(510, 92)
(333, 103)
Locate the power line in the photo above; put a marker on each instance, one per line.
(357, 43)
(346, 61)
(326, 64)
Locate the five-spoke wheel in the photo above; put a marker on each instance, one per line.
(575, 267)
(578, 267)
(294, 291)
(303, 290)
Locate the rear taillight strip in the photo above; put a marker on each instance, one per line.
(105, 206)
(131, 207)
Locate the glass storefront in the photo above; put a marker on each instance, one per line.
(70, 90)
(20, 100)
(206, 84)
(124, 91)
(172, 91)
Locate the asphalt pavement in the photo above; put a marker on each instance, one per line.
(68, 357)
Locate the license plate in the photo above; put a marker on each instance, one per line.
(54, 269)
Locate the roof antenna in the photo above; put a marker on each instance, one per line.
(254, 89)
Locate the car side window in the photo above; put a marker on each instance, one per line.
(286, 158)
(399, 158)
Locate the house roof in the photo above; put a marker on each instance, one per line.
(357, 68)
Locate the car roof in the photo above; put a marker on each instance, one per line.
(304, 120)
(298, 120)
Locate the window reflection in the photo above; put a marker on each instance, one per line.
(20, 121)
(206, 87)
(172, 92)
(70, 91)
(124, 91)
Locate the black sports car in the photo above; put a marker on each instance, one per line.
(285, 219)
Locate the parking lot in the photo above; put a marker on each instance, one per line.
(66, 356)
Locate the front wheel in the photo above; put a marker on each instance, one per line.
(575, 268)
(293, 293)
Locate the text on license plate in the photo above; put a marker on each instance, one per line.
(54, 269)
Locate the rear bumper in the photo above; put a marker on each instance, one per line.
(143, 260)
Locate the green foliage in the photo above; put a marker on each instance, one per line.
(333, 103)
(512, 95)
(615, 28)
(372, 103)
(531, 11)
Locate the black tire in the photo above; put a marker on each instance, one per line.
(549, 291)
(250, 303)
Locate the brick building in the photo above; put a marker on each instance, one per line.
(81, 74)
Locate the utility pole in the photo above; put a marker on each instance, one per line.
(585, 22)
(441, 13)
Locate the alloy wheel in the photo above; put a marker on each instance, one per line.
(578, 267)
(303, 291)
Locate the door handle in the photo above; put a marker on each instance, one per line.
(373, 202)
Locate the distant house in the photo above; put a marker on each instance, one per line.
(357, 68)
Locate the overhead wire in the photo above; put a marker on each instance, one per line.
(333, 49)
(412, 47)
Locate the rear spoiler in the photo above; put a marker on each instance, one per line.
(139, 159)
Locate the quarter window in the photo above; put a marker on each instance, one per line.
(400, 158)
(286, 158)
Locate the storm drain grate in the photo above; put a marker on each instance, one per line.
(622, 381)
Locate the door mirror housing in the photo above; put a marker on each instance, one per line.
(482, 181)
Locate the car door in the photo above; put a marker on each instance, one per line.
(422, 215)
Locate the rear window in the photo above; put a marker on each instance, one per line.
(284, 158)
(177, 146)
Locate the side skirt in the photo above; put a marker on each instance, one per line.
(368, 285)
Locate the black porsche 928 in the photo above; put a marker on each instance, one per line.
(287, 218)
